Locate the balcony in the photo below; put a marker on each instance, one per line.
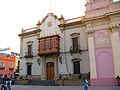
(48, 45)
(75, 50)
(28, 55)
(11, 68)
(2, 68)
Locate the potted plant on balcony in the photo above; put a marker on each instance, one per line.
(11, 68)
(2, 68)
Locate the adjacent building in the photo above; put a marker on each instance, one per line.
(87, 45)
(7, 65)
(103, 31)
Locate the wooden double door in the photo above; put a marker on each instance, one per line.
(50, 70)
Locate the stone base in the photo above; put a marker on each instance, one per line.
(72, 79)
(21, 82)
(103, 81)
(30, 77)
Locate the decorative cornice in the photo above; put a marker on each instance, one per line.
(71, 25)
(74, 34)
(29, 33)
(101, 16)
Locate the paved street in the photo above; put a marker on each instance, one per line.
(29, 87)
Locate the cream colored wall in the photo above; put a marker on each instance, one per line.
(116, 51)
(36, 68)
(92, 59)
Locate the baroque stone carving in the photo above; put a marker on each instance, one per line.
(89, 32)
(101, 37)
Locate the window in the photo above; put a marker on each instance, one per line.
(75, 39)
(76, 65)
(53, 43)
(29, 49)
(42, 45)
(47, 44)
(1, 75)
(11, 65)
(1, 64)
(75, 43)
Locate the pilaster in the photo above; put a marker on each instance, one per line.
(43, 76)
(92, 60)
(56, 67)
(115, 47)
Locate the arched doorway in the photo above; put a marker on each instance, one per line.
(50, 70)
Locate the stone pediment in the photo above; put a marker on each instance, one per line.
(49, 14)
(49, 25)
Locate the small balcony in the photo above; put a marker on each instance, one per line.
(28, 55)
(11, 68)
(2, 68)
(75, 50)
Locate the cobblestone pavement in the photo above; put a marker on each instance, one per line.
(29, 87)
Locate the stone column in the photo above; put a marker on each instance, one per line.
(116, 48)
(92, 59)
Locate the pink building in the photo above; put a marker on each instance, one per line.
(103, 31)
(7, 65)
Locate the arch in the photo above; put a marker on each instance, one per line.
(105, 66)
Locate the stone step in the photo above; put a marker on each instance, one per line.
(42, 82)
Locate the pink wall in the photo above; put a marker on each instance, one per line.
(104, 63)
(104, 59)
(7, 61)
(97, 4)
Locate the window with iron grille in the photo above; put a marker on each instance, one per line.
(29, 49)
(75, 43)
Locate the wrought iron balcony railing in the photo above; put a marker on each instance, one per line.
(75, 50)
(2, 68)
(11, 68)
(28, 55)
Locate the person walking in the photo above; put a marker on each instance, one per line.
(1, 79)
(3, 85)
(85, 84)
(8, 84)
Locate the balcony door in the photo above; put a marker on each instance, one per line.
(50, 70)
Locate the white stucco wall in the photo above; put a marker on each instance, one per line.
(66, 42)
(48, 31)
(36, 68)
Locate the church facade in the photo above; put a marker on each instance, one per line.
(87, 45)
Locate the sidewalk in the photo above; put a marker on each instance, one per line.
(31, 87)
